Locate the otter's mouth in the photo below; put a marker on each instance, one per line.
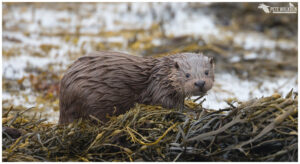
(200, 92)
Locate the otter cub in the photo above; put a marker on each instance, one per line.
(110, 83)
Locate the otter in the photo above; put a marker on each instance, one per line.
(103, 83)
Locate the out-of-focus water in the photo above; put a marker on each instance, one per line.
(28, 28)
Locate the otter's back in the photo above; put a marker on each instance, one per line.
(98, 82)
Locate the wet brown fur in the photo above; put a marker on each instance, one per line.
(110, 83)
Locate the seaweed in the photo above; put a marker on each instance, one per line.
(263, 129)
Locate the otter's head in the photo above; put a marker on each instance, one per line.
(194, 73)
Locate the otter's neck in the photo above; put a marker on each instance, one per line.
(161, 89)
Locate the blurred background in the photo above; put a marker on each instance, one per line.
(256, 53)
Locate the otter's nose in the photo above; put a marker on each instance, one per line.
(200, 84)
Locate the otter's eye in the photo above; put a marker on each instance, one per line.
(206, 72)
(187, 75)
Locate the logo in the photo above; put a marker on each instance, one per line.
(291, 9)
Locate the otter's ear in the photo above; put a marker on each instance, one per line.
(176, 65)
(211, 60)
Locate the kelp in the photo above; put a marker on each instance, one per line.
(264, 129)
